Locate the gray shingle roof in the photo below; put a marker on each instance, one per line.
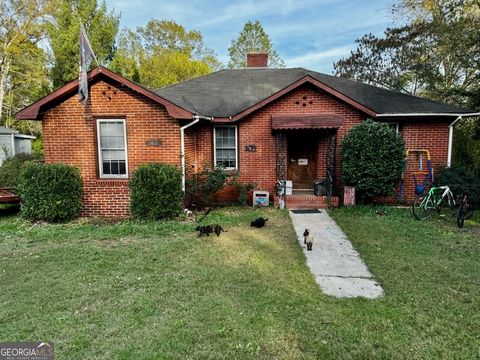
(4, 130)
(228, 92)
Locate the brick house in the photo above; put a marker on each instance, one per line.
(268, 124)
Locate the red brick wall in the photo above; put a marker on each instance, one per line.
(259, 167)
(304, 100)
(190, 151)
(424, 135)
(204, 145)
(69, 132)
(323, 141)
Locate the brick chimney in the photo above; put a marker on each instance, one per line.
(257, 59)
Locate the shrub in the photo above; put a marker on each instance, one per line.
(201, 187)
(156, 191)
(12, 167)
(50, 192)
(243, 189)
(372, 159)
(460, 181)
(466, 145)
(37, 147)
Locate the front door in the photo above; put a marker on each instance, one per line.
(302, 155)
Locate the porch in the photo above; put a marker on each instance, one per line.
(302, 201)
(307, 154)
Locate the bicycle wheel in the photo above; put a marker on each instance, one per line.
(461, 216)
(467, 209)
(422, 207)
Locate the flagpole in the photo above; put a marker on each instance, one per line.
(88, 42)
(86, 57)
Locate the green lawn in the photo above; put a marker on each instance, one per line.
(137, 290)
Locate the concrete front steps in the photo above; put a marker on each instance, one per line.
(301, 201)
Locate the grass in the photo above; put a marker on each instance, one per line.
(143, 290)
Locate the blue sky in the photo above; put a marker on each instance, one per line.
(308, 33)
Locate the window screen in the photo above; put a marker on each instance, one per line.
(226, 146)
(112, 148)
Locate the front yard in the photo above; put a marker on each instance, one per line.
(137, 290)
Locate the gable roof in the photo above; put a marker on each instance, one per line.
(35, 110)
(7, 131)
(229, 93)
(233, 94)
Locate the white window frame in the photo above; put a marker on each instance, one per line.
(99, 149)
(215, 145)
(397, 125)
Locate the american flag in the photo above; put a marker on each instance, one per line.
(86, 57)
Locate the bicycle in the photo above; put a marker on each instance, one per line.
(464, 211)
(424, 205)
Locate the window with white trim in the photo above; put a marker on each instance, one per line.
(395, 126)
(112, 148)
(225, 146)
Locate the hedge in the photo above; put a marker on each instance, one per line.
(50, 192)
(372, 159)
(156, 191)
(12, 167)
(460, 182)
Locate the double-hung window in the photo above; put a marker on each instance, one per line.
(112, 148)
(225, 146)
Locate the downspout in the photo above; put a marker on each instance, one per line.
(196, 119)
(13, 144)
(450, 141)
(450, 136)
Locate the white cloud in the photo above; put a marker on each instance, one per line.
(252, 9)
(312, 59)
(307, 33)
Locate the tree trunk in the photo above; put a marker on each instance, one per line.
(3, 84)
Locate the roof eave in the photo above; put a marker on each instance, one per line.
(396, 115)
(306, 79)
(35, 110)
(24, 136)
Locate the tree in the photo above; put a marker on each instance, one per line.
(23, 64)
(466, 145)
(372, 159)
(435, 55)
(162, 53)
(388, 61)
(27, 82)
(64, 29)
(21, 29)
(128, 55)
(252, 38)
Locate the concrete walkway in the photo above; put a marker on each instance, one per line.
(336, 265)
